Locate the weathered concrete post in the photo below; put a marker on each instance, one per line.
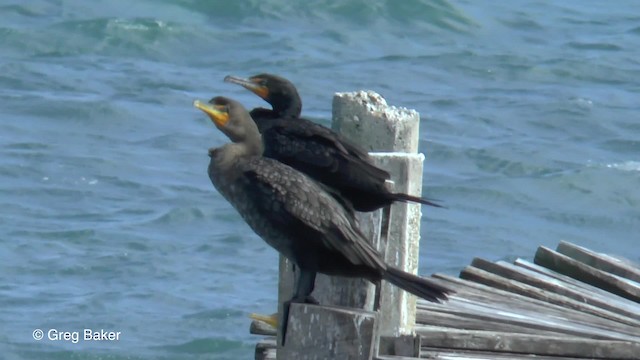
(391, 134)
(328, 332)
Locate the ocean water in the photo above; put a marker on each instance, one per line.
(530, 127)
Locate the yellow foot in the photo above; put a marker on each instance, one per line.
(271, 320)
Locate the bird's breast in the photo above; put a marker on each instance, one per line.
(253, 210)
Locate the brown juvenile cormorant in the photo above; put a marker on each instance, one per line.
(294, 214)
(316, 150)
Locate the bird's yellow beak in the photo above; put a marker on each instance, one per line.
(249, 84)
(217, 114)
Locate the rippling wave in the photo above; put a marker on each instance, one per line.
(440, 13)
(529, 127)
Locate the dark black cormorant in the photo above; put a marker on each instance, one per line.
(316, 150)
(293, 213)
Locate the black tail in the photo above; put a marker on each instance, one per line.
(405, 197)
(421, 287)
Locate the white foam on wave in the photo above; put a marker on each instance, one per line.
(136, 26)
(625, 166)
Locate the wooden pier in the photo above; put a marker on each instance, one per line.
(571, 303)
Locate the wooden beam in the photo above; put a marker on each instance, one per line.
(487, 295)
(553, 345)
(583, 300)
(266, 349)
(582, 329)
(446, 354)
(261, 328)
(621, 267)
(463, 320)
(583, 272)
(619, 304)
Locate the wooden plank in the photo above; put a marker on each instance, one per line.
(563, 264)
(517, 321)
(475, 274)
(550, 345)
(486, 295)
(266, 349)
(471, 322)
(446, 354)
(271, 354)
(583, 301)
(577, 283)
(616, 303)
(327, 332)
(261, 328)
(600, 261)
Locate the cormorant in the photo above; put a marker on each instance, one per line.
(316, 150)
(294, 214)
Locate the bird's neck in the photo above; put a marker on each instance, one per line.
(293, 109)
(230, 154)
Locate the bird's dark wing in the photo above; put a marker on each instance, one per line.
(290, 199)
(308, 129)
(340, 198)
(313, 148)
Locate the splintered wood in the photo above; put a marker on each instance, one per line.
(572, 303)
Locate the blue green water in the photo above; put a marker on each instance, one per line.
(530, 125)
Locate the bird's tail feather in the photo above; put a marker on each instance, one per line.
(421, 287)
(425, 201)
